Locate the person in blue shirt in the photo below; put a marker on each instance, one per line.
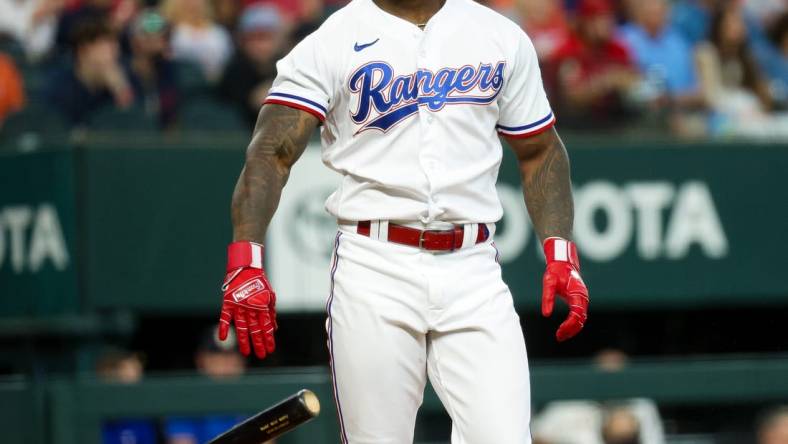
(198, 430)
(129, 431)
(118, 366)
(692, 18)
(217, 360)
(663, 56)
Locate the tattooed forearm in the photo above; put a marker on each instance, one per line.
(279, 139)
(544, 166)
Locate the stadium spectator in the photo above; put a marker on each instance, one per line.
(249, 74)
(124, 367)
(119, 366)
(620, 426)
(218, 360)
(196, 37)
(766, 12)
(568, 422)
(153, 78)
(730, 79)
(31, 23)
(592, 73)
(227, 13)
(762, 18)
(775, 60)
(779, 35)
(692, 18)
(664, 58)
(546, 24)
(633, 421)
(611, 360)
(312, 16)
(116, 13)
(12, 94)
(773, 426)
(290, 9)
(96, 77)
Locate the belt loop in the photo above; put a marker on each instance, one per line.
(374, 229)
(470, 231)
(383, 230)
(490, 230)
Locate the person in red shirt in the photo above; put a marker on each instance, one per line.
(591, 73)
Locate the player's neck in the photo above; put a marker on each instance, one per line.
(417, 12)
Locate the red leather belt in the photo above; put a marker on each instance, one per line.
(431, 240)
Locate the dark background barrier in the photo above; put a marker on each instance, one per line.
(153, 224)
(78, 407)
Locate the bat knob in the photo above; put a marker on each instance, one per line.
(311, 403)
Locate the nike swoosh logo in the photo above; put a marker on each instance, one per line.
(360, 48)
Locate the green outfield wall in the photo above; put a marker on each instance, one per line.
(144, 227)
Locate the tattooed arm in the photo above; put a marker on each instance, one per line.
(544, 167)
(279, 139)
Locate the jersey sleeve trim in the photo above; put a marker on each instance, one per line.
(531, 129)
(298, 102)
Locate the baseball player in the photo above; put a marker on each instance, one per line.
(411, 97)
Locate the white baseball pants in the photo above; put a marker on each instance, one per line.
(398, 315)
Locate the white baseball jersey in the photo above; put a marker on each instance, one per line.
(411, 117)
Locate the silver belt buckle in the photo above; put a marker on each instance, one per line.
(423, 232)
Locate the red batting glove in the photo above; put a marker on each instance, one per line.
(248, 300)
(562, 277)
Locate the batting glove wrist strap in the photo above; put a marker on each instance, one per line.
(244, 254)
(558, 249)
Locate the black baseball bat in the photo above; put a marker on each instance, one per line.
(273, 422)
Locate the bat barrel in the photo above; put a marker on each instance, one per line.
(274, 421)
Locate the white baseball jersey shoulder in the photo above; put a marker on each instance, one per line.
(411, 117)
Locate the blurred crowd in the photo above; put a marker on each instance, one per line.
(132, 64)
(636, 421)
(695, 67)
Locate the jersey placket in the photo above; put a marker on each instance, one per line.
(429, 157)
